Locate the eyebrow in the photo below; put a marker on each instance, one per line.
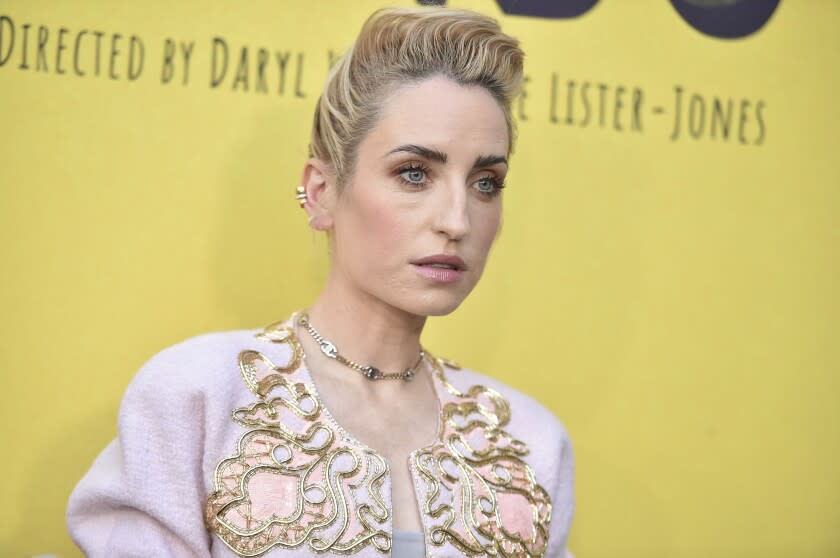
(440, 156)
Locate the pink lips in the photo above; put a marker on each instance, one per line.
(441, 268)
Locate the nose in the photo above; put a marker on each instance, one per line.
(452, 213)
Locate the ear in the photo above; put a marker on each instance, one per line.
(318, 183)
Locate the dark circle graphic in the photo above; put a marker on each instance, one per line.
(548, 9)
(726, 19)
(556, 9)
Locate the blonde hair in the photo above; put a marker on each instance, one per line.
(403, 45)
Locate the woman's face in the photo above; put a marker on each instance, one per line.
(415, 222)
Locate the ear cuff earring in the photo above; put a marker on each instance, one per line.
(301, 196)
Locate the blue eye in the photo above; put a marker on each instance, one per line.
(489, 185)
(413, 175)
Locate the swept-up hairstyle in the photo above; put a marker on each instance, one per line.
(405, 45)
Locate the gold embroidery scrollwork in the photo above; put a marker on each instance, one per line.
(480, 494)
(250, 362)
(292, 480)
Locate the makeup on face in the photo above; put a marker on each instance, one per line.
(441, 268)
(416, 224)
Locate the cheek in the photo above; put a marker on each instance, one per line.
(378, 229)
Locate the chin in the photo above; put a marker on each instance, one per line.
(432, 304)
(441, 309)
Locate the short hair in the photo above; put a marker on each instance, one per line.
(406, 45)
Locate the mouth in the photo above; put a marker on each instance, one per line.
(441, 261)
(441, 268)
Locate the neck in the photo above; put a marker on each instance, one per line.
(367, 330)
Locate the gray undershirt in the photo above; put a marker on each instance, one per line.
(408, 544)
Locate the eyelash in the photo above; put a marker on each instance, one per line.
(498, 185)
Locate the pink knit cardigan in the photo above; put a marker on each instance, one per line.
(225, 449)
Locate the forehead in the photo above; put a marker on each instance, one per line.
(462, 121)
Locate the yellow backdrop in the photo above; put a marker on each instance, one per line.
(671, 294)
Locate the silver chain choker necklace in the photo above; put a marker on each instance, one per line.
(369, 372)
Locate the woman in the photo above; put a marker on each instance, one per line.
(346, 437)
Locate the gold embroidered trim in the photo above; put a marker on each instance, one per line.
(274, 333)
(449, 363)
(478, 490)
(297, 479)
(293, 480)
